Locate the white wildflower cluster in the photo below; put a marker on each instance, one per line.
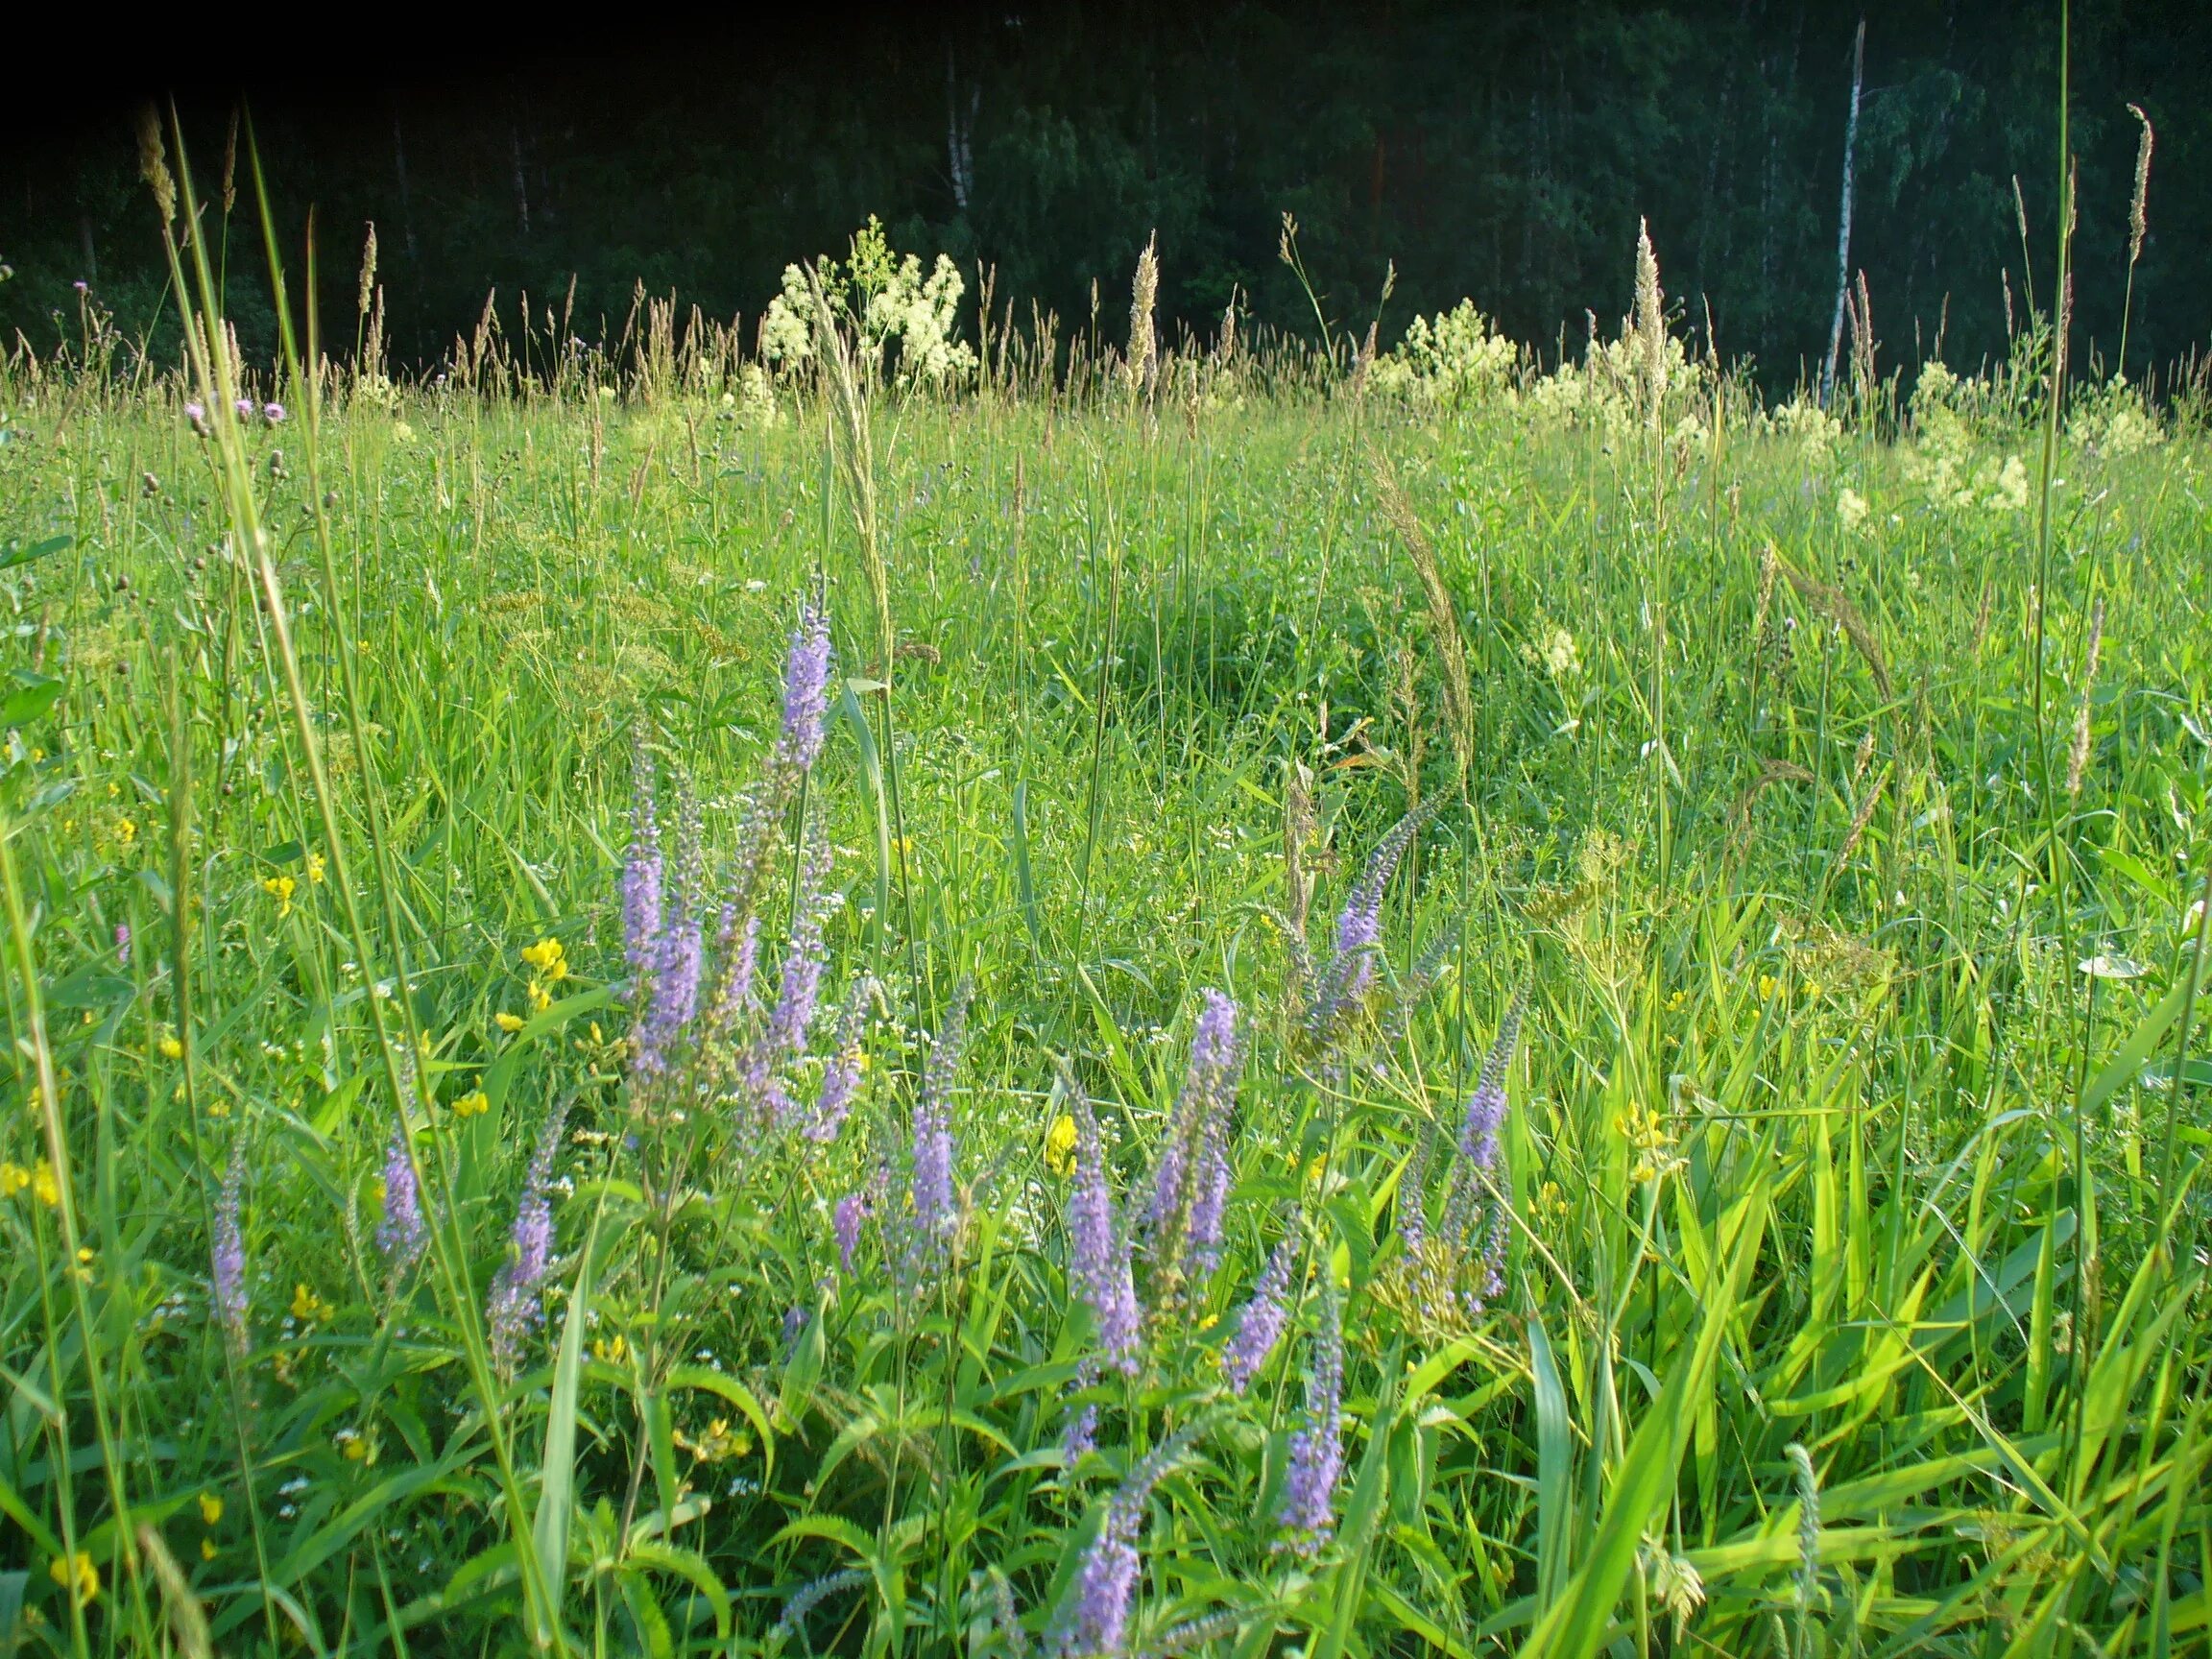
(1950, 461)
(2113, 421)
(1604, 392)
(1552, 649)
(890, 303)
(751, 400)
(1850, 508)
(1454, 360)
(1805, 425)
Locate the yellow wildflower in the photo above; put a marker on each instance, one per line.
(507, 1022)
(1060, 1145)
(207, 1548)
(315, 869)
(549, 959)
(13, 1178)
(1676, 1001)
(210, 1509)
(473, 1104)
(77, 1576)
(280, 888)
(350, 1446)
(540, 999)
(172, 1048)
(125, 832)
(306, 1304)
(610, 1351)
(43, 1186)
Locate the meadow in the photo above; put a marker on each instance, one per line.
(905, 997)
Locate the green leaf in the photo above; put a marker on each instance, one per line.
(12, 555)
(34, 695)
(557, 1479)
(1576, 1626)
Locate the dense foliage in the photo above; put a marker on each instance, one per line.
(1504, 152)
(673, 1006)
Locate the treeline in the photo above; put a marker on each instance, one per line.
(1501, 152)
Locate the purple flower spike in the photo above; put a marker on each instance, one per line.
(1190, 1179)
(1351, 968)
(401, 1233)
(805, 691)
(851, 1213)
(641, 875)
(514, 1293)
(1099, 1252)
(936, 1214)
(1094, 1620)
(842, 1079)
(228, 1254)
(1308, 1511)
(1259, 1326)
(122, 944)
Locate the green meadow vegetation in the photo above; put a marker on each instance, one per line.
(932, 990)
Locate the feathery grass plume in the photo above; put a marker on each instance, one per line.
(1003, 1618)
(1650, 326)
(1259, 1326)
(2139, 203)
(1443, 612)
(1098, 1264)
(816, 1590)
(1144, 343)
(1808, 1539)
(1308, 1513)
(935, 1208)
(2077, 760)
(1863, 815)
(188, 1620)
(228, 1254)
(1836, 605)
(1094, 1618)
(1190, 1175)
(1299, 833)
(513, 1304)
(368, 287)
(153, 164)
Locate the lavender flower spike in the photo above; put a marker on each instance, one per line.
(936, 1213)
(805, 691)
(514, 1293)
(1259, 1326)
(842, 1078)
(641, 873)
(228, 1254)
(1190, 1182)
(1486, 1106)
(851, 1213)
(1360, 923)
(403, 1231)
(1099, 1252)
(1095, 1619)
(1308, 1511)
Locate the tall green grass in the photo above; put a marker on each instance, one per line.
(1853, 1290)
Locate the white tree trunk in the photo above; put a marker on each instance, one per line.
(1843, 225)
